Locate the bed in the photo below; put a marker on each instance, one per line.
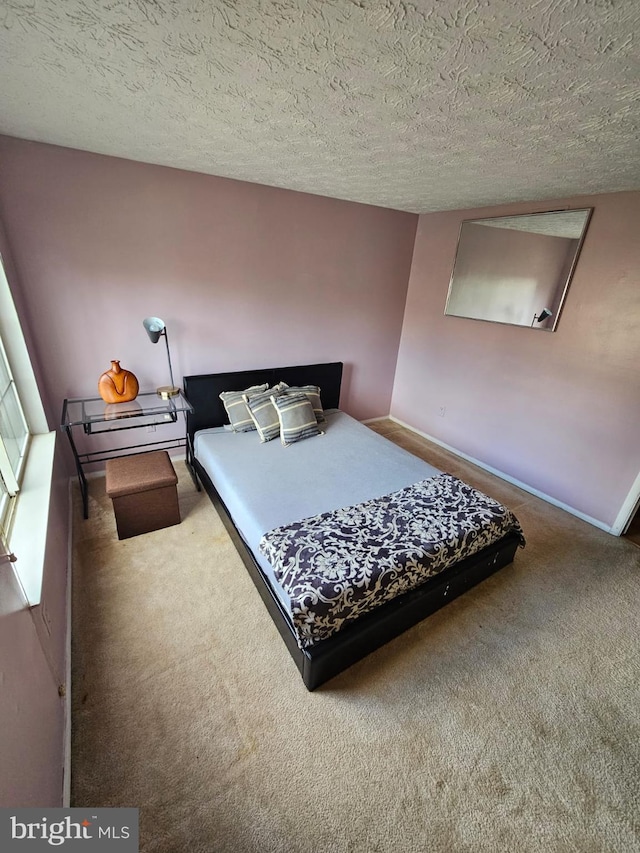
(320, 522)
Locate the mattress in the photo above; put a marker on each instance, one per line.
(266, 485)
(343, 564)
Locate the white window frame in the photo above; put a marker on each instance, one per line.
(26, 532)
(10, 476)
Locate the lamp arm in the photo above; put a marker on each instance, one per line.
(166, 340)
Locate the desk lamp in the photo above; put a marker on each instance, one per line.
(156, 329)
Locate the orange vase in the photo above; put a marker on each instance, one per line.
(118, 385)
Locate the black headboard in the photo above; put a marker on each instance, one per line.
(203, 390)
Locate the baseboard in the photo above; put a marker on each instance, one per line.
(524, 486)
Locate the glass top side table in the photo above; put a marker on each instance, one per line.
(95, 417)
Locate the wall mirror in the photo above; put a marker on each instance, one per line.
(516, 269)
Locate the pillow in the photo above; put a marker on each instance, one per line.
(263, 412)
(296, 416)
(236, 408)
(312, 392)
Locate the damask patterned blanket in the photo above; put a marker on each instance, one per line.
(337, 565)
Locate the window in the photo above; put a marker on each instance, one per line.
(14, 441)
(27, 449)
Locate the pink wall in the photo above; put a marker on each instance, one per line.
(557, 411)
(243, 275)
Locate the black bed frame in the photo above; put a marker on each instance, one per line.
(333, 655)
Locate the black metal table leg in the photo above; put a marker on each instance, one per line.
(84, 488)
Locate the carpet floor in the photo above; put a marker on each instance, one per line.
(507, 721)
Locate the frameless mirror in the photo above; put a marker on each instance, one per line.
(516, 269)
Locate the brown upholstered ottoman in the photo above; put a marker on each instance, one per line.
(143, 491)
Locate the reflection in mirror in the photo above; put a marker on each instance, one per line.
(516, 269)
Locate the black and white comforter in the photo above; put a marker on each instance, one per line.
(339, 564)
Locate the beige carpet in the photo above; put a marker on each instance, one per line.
(508, 721)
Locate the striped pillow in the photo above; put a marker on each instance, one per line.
(236, 407)
(296, 416)
(312, 392)
(263, 412)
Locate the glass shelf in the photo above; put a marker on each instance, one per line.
(148, 409)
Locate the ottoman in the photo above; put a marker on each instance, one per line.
(143, 491)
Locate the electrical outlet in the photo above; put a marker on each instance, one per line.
(442, 410)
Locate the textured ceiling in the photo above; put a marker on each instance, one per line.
(418, 106)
